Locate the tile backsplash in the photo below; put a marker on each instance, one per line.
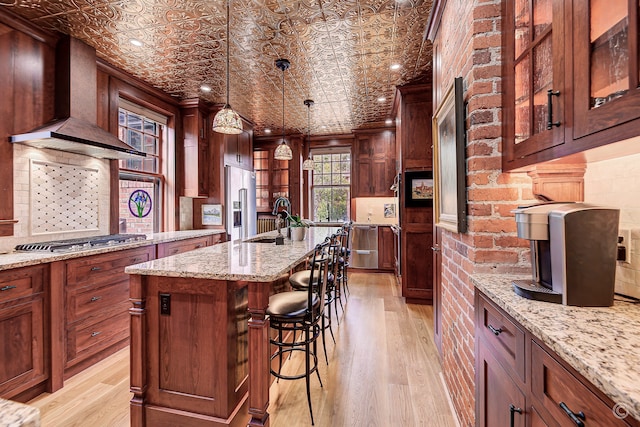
(376, 210)
(57, 195)
(616, 183)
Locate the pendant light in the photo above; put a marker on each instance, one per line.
(308, 164)
(283, 151)
(227, 121)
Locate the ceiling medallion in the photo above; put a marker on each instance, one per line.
(226, 120)
(283, 151)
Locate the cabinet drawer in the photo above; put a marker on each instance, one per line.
(178, 247)
(108, 267)
(85, 338)
(552, 385)
(96, 301)
(499, 331)
(20, 283)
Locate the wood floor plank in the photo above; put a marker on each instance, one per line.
(384, 370)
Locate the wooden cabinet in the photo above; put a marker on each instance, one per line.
(97, 303)
(374, 163)
(197, 162)
(180, 246)
(22, 305)
(386, 254)
(571, 79)
(238, 149)
(417, 262)
(518, 378)
(272, 179)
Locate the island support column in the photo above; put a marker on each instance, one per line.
(259, 359)
(138, 380)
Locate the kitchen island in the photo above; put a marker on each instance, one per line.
(200, 334)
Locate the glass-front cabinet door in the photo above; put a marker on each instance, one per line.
(534, 93)
(606, 69)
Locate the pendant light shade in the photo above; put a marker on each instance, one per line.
(283, 151)
(227, 121)
(308, 164)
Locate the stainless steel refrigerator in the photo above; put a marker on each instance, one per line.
(240, 206)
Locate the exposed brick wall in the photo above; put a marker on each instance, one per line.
(469, 45)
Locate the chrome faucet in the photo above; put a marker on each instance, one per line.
(280, 201)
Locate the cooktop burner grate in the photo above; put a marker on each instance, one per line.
(70, 245)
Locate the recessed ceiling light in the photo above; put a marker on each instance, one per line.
(395, 66)
(388, 121)
(267, 131)
(323, 127)
(382, 99)
(205, 88)
(136, 42)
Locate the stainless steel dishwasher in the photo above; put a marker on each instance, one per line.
(364, 246)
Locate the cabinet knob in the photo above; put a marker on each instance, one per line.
(95, 334)
(94, 299)
(96, 268)
(198, 245)
(435, 248)
(576, 417)
(495, 331)
(7, 288)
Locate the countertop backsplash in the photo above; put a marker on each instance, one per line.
(616, 183)
(51, 196)
(376, 210)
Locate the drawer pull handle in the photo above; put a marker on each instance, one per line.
(95, 334)
(199, 246)
(435, 248)
(513, 410)
(136, 260)
(94, 299)
(576, 417)
(495, 331)
(7, 288)
(96, 268)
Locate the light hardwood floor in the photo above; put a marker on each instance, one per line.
(383, 371)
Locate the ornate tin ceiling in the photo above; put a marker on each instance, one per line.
(341, 52)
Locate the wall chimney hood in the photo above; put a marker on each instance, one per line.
(75, 129)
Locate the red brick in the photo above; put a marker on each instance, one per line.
(481, 87)
(483, 26)
(513, 178)
(486, 11)
(511, 242)
(504, 209)
(478, 179)
(484, 163)
(479, 209)
(498, 256)
(481, 57)
(493, 225)
(487, 72)
(493, 194)
(479, 149)
(481, 116)
(484, 102)
(485, 132)
(487, 40)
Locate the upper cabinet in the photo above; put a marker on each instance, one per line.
(374, 165)
(535, 95)
(571, 75)
(238, 149)
(606, 67)
(196, 149)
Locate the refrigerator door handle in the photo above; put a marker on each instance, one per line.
(242, 195)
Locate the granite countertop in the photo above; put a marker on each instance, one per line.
(22, 259)
(14, 414)
(237, 260)
(601, 343)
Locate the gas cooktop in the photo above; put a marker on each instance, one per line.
(72, 245)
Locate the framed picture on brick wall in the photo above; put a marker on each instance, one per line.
(449, 163)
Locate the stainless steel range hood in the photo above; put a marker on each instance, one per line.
(75, 129)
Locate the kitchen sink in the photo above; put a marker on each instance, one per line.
(264, 240)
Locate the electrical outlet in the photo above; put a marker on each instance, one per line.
(626, 242)
(165, 304)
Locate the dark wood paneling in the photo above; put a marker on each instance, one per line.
(417, 267)
(437, 288)
(386, 254)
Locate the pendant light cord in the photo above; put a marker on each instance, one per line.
(283, 69)
(228, 43)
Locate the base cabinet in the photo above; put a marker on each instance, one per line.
(22, 338)
(548, 393)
